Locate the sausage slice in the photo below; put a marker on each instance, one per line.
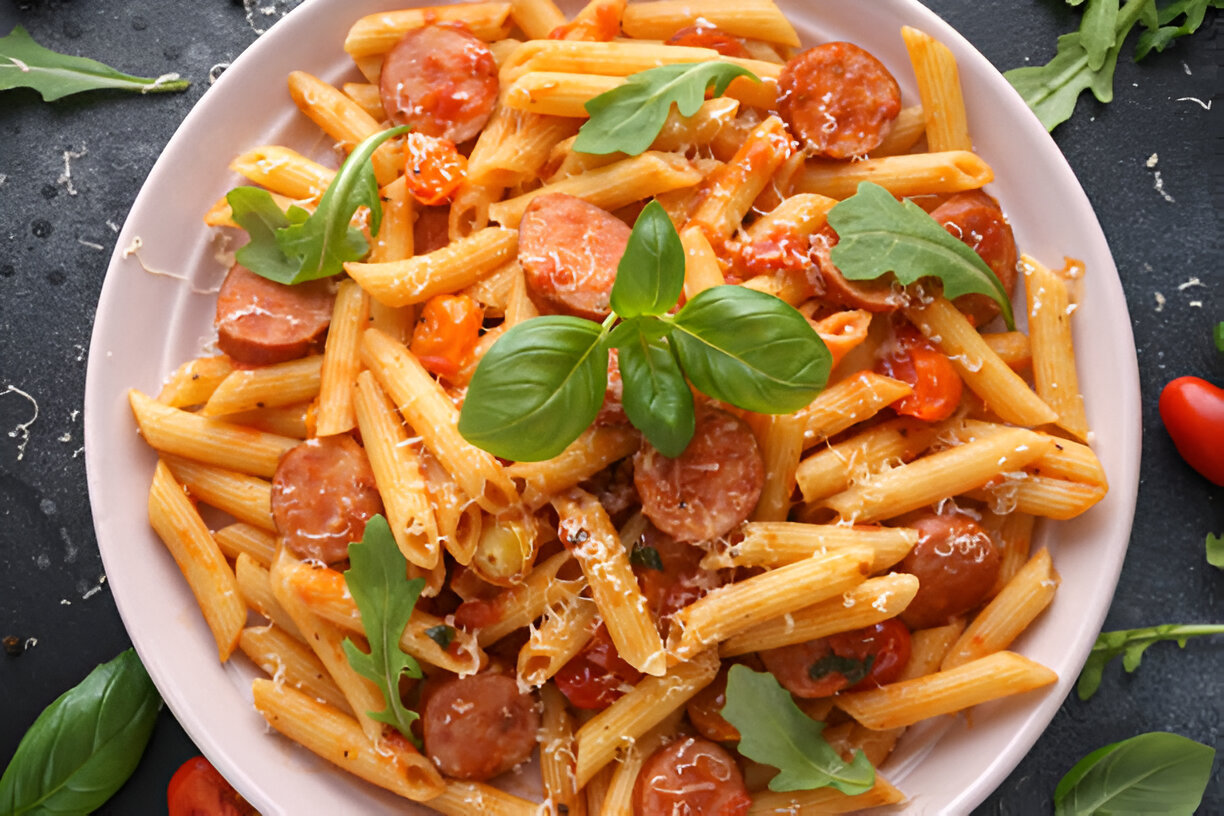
(711, 487)
(976, 219)
(323, 493)
(838, 99)
(441, 80)
(569, 250)
(956, 564)
(261, 322)
(690, 775)
(480, 726)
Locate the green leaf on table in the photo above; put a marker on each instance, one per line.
(26, 64)
(1215, 550)
(536, 389)
(627, 118)
(650, 275)
(750, 349)
(1219, 337)
(1098, 31)
(377, 580)
(656, 397)
(1155, 772)
(774, 731)
(85, 745)
(878, 234)
(1160, 34)
(1130, 644)
(1051, 90)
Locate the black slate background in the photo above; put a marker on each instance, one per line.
(57, 231)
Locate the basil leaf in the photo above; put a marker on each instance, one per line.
(1130, 644)
(256, 212)
(377, 580)
(774, 731)
(26, 64)
(1097, 31)
(878, 234)
(849, 668)
(325, 240)
(656, 397)
(536, 389)
(750, 349)
(627, 118)
(646, 557)
(441, 635)
(1155, 772)
(1215, 550)
(85, 745)
(650, 276)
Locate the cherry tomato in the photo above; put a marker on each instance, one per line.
(433, 167)
(682, 579)
(937, 386)
(596, 676)
(708, 36)
(446, 333)
(1193, 413)
(197, 789)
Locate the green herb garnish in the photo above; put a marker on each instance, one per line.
(377, 580)
(26, 64)
(774, 731)
(1219, 337)
(645, 556)
(1155, 772)
(878, 234)
(627, 118)
(299, 246)
(853, 670)
(1086, 58)
(542, 383)
(441, 635)
(1215, 550)
(85, 745)
(1131, 644)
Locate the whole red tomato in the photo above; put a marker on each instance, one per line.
(197, 789)
(1193, 414)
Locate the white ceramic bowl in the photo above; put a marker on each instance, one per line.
(148, 324)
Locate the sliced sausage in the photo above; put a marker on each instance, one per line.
(711, 487)
(975, 218)
(569, 251)
(479, 726)
(838, 99)
(441, 80)
(878, 295)
(323, 493)
(704, 35)
(690, 775)
(431, 230)
(261, 322)
(956, 564)
(681, 579)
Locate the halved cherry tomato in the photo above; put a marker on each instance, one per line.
(705, 710)
(862, 658)
(446, 333)
(886, 644)
(937, 386)
(197, 789)
(704, 35)
(433, 167)
(597, 676)
(1193, 413)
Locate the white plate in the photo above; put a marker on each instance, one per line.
(148, 324)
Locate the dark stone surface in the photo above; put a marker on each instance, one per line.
(56, 235)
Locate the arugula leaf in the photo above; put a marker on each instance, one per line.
(536, 389)
(878, 234)
(377, 580)
(646, 556)
(1160, 34)
(1157, 772)
(774, 731)
(85, 745)
(1215, 550)
(301, 246)
(656, 398)
(441, 635)
(650, 275)
(1219, 337)
(1098, 32)
(627, 118)
(26, 64)
(1131, 644)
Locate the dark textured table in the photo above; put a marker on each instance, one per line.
(1151, 163)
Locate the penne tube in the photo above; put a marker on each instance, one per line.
(246, 498)
(618, 798)
(939, 87)
(950, 472)
(394, 241)
(209, 577)
(1012, 347)
(1008, 614)
(595, 449)
(780, 437)
(469, 211)
(456, 265)
(849, 737)
(367, 97)
(284, 171)
(207, 440)
(518, 606)
(801, 214)
(286, 659)
(1066, 459)
(701, 267)
(823, 800)
(236, 539)
(555, 93)
(906, 702)
(459, 518)
(1049, 320)
(775, 543)
(872, 601)
(738, 607)
(928, 647)
(557, 751)
(256, 589)
(833, 468)
(565, 629)
(220, 214)
(342, 360)
(638, 711)
(537, 18)
(849, 402)
(907, 129)
(952, 171)
(294, 421)
(730, 191)
(1013, 535)
(377, 33)
(1040, 496)
(272, 385)
(461, 798)
(193, 382)
(789, 285)
(515, 146)
(842, 332)
(344, 120)
(751, 19)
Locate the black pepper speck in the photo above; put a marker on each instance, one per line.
(41, 228)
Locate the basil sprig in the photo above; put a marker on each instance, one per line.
(627, 118)
(1155, 772)
(1130, 644)
(85, 745)
(300, 246)
(542, 383)
(878, 234)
